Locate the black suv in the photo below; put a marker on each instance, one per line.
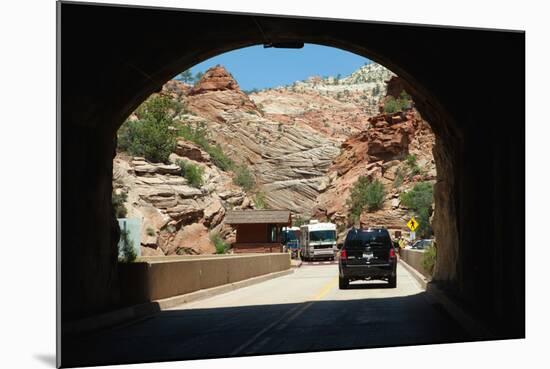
(367, 254)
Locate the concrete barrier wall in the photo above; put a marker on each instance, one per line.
(414, 259)
(153, 278)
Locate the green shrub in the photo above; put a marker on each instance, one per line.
(366, 194)
(243, 177)
(260, 201)
(151, 135)
(374, 195)
(428, 259)
(393, 105)
(150, 231)
(193, 173)
(411, 163)
(411, 160)
(198, 135)
(220, 245)
(219, 158)
(127, 253)
(390, 105)
(405, 97)
(118, 201)
(419, 199)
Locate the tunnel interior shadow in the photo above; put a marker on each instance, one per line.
(201, 333)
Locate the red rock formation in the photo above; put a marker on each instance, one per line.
(215, 79)
(384, 140)
(192, 151)
(377, 152)
(217, 94)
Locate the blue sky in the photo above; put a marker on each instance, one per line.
(256, 67)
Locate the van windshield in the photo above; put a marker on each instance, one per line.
(324, 236)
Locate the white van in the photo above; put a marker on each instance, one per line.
(318, 241)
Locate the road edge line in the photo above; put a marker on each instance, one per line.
(419, 278)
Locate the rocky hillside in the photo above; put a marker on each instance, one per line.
(289, 161)
(306, 145)
(334, 108)
(177, 217)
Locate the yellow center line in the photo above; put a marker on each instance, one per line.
(284, 321)
(326, 289)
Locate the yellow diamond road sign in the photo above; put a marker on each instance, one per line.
(412, 224)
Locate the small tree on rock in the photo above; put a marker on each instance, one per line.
(198, 76)
(151, 135)
(185, 76)
(419, 199)
(366, 194)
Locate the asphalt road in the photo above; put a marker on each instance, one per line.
(303, 311)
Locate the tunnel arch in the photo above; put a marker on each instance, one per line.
(447, 136)
(424, 101)
(428, 102)
(125, 64)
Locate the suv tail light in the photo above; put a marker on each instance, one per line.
(343, 254)
(392, 253)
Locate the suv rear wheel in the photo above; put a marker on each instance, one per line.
(392, 281)
(343, 283)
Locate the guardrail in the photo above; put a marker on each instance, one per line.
(414, 259)
(154, 278)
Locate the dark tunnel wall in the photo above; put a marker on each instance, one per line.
(469, 84)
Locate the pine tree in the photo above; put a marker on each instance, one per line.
(185, 76)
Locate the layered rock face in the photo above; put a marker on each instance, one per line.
(334, 108)
(289, 160)
(176, 217)
(306, 145)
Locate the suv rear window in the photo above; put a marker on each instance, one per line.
(358, 238)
